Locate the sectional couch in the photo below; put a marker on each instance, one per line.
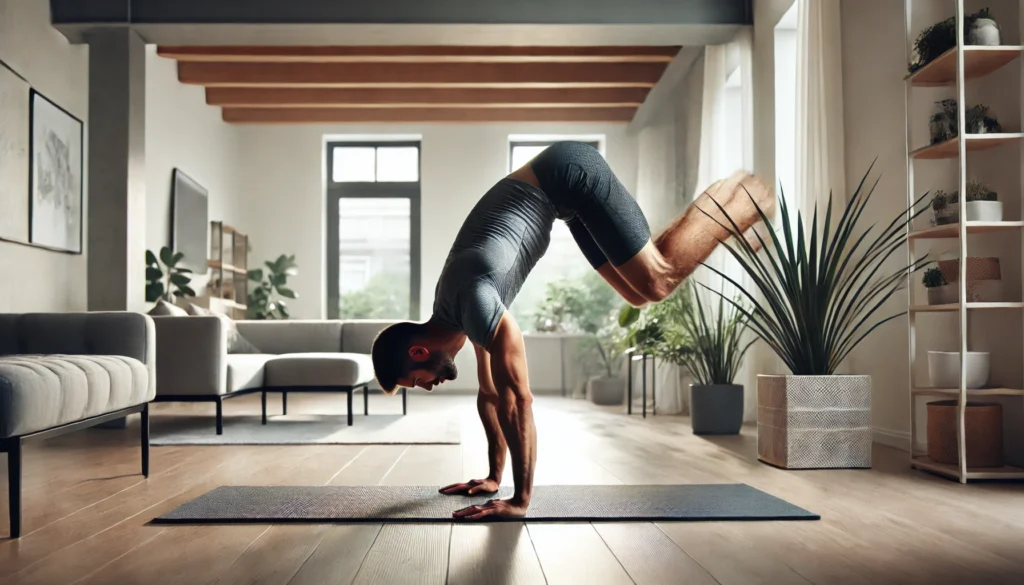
(194, 363)
(62, 372)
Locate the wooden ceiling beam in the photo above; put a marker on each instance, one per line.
(425, 97)
(420, 74)
(418, 54)
(414, 115)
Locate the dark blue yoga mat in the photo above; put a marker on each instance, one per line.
(584, 503)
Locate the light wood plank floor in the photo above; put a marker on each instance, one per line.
(87, 512)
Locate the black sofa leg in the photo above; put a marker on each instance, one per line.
(14, 485)
(349, 407)
(404, 397)
(220, 416)
(284, 403)
(145, 440)
(263, 402)
(366, 401)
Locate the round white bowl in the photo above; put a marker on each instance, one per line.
(944, 369)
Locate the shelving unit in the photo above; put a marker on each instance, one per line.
(229, 282)
(953, 69)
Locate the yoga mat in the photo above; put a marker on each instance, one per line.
(645, 503)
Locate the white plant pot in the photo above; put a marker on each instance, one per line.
(944, 369)
(984, 211)
(810, 422)
(984, 31)
(606, 391)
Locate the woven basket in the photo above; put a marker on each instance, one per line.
(978, 268)
(814, 422)
(983, 426)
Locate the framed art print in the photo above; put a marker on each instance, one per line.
(55, 192)
(14, 158)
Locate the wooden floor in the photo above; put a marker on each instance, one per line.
(87, 509)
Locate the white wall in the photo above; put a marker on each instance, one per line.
(874, 65)
(36, 279)
(183, 132)
(283, 181)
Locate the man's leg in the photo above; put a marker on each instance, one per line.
(592, 252)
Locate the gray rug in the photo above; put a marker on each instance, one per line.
(435, 428)
(240, 504)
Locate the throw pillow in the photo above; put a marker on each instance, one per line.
(164, 309)
(236, 343)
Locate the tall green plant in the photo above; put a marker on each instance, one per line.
(820, 289)
(165, 279)
(262, 303)
(717, 344)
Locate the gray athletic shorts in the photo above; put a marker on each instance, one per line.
(603, 217)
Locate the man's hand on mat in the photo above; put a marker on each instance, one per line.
(471, 487)
(502, 508)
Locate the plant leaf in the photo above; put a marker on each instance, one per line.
(166, 256)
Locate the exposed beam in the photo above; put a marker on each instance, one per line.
(425, 97)
(385, 115)
(563, 12)
(420, 74)
(414, 54)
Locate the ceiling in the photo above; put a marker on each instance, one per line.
(437, 83)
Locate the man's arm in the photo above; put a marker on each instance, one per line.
(487, 407)
(515, 418)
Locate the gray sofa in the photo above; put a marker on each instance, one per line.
(194, 364)
(62, 372)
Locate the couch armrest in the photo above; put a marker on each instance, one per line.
(120, 333)
(191, 355)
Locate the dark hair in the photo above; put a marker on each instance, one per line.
(390, 353)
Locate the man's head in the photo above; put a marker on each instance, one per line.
(407, 355)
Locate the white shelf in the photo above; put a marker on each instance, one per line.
(946, 71)
(952, 230)
(970, 306)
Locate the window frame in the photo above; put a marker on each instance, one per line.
(336, 190)
(512, 144)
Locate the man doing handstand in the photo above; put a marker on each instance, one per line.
(498, 245)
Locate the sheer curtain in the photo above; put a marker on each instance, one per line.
(726, 145)
(819, 108)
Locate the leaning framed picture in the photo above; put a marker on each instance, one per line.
(55, 190)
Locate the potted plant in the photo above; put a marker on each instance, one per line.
(982, 30)
(261, 303)
(983, 203)
(944, 210)
(813, 295)
(169, 281)
(718, 347)
(940, 292)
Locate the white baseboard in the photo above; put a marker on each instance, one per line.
(898, 439)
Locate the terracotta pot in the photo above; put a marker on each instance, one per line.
(983, 426)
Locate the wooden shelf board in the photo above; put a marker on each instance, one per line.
(227, 267)
(973, 227)
(951, 148)
(1004, 472)
(978, 62)
(954, 392)
(971, 306)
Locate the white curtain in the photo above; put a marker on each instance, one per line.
(819, 108)
(727, 145)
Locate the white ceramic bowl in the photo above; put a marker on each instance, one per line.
(944, 369)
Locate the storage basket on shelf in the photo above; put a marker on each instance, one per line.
(984, 279)
(983, 433)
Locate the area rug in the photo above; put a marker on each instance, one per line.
(624, 503)
(434, 428)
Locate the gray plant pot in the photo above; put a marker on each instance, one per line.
(716, 409)
(606, 391)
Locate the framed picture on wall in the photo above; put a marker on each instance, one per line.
(14, 158)
(55, 192)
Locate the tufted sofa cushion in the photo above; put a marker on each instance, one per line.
(38, 392)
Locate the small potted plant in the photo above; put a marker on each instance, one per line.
(983, 203)
(982, 30)
(718, 347)
(944, 209)
(940, 292)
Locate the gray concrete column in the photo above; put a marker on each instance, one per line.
(117, 170)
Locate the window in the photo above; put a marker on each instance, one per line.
(563, 258)
(373, 231)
